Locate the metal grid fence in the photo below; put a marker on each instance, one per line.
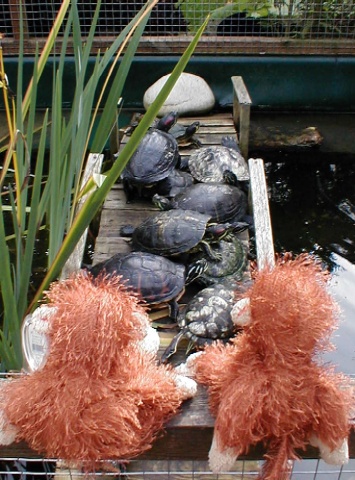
(37, 469)
(236, 26)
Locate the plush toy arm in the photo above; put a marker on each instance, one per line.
(8, 431)
(151, 341)
(220, 460)
(188, 368)
(187, 386)
(338, 456)
(240, 313)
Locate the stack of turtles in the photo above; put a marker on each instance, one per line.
(196, 233)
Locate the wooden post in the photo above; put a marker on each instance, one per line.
(73, 263)
(241, 113)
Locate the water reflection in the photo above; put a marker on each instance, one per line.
(342, 285)
(312, 210)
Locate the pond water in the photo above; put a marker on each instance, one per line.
(312, 207)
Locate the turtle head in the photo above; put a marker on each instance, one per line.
(168, 121)
(195, 270)
(230, 178)
(192, 128)
(161, 202)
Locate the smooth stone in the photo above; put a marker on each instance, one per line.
(191, 95)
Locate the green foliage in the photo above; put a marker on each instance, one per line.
(36, 199)
(196, 12)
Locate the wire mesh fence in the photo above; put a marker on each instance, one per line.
(235, 26)
(46, 469)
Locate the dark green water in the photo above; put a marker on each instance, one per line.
(312, 207)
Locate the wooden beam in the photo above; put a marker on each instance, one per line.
(241, 113)
(73, 264)
(261, 214)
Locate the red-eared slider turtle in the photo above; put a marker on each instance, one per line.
(154, 160)
(220, 201)
(174, 184)
(232, 264)
(208, 164)
(177, 232)
(185, 134)
(207, 317)
(157, 279)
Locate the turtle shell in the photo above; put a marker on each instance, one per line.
(232, 263)
(208, 164)
(207, 316)
(157, 279)
(170, 232)
(221, 202)
(174, 183)
(155, 158)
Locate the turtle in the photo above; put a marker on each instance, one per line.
(154, 160)
(164, 123)
(207, 317)
(157, 279)
(185, 134)
(176, 232)
(208, 164)
(233, 262)
(173, 184)
(223, 202)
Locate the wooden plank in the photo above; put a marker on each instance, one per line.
(177, 44)
(261, 214)
(241, 113)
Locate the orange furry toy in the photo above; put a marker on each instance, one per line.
(100, 394)
(269, 385)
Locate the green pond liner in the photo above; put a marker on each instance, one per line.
(311, 83)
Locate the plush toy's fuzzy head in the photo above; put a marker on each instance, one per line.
(290, 308)
(100, 394)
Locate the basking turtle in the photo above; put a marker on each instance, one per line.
(185, 134)
(157, 279)
(207, 317)
(208, 164)
(164, 123)
(222, 202)
(232, 264)
(176, 232)
(174, 184)
(154, 160)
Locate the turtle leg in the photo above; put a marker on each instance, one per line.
(172, 347)
(212, 254)
(129, 191)
(196, 143)
(174, 309)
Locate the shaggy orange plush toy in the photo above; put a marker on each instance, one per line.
(100, 393)
(269, 385)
